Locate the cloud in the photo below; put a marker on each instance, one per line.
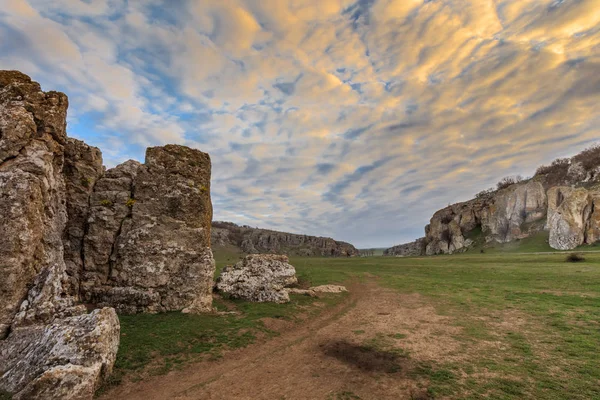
(351, 118)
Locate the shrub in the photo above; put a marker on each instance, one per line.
(559, 167)
(574, 257)
(85, 182)
(106, 203)
(508, 181)
(129, 203)
(203, 189)
(589, 158)
(485, 193)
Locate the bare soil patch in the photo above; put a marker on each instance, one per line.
(368, 347)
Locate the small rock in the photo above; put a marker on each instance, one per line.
(328, 289)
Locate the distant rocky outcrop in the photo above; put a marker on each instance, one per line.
(253, 240)
(259, 278)
(415, 248)
(563, 199)
(135, 237)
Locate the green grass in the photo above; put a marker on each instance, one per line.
(153, 344)
(551, 354)
(554, 355)
(536, 243)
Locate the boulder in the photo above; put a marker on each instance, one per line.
(148, 243)
(328, 289)
(259, 278)
(314, 291)
(66, 359)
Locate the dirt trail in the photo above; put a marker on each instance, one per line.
(340, 354)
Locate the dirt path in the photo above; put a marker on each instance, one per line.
(358, 348)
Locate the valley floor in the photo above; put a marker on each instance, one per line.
(503, 326)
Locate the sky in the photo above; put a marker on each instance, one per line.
(355, 119)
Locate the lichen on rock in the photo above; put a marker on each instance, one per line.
(49, 347)
(259, 278)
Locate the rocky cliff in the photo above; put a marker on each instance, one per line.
(50, 347)
(253, 240)
(135, 238)
(562, 199)
(147, 241)
(415, 248)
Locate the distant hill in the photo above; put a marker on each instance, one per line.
(245, 239)
(561, 202)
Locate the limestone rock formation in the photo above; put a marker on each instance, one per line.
(47, 343)
(83, 167)
(259, 278)
(573, 217)
(63, 360)
(253, 240)
(561, 199)
(148, 243)
(416, 248)
(136, 237)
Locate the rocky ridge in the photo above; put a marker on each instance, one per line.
(562, 199)
(254, 240)
(135, 238)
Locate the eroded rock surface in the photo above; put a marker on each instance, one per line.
(506, 215)
(254, 240)
(148, 243)
(83, 167)
(259, 278)
(573, 217)
(65, 359)
(570, 214)
(415, 248)
(50, 346)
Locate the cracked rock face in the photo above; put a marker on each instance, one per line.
(259, 278)
(49, 347)
(83, 167)
(415, 248)
(147, 247)
(62, 360)
(255, 240)
(501, 218)
(573, 217)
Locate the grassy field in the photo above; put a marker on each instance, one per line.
(529, 325)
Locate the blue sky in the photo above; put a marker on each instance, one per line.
(351, 119)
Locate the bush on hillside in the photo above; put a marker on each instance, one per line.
(574, 257)
(508, 181)
(559, 166)
(589, 158)
(485, 193)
